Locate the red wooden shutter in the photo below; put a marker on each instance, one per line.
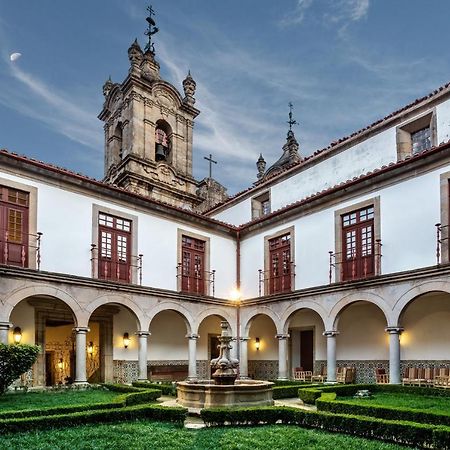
(114, 259)
(14, 237)
(280, 264)
(193, 265)
(358, 249)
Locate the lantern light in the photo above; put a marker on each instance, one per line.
(257, 343)
(17, 333)
(126, 340)
(90, 348)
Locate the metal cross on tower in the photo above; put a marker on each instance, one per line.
(151, 30)
(211, 162)
(291, 121)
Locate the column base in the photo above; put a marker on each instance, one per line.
(143, 380)
(81, 384)
(283, 379)
(192, 379)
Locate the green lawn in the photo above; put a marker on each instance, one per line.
(432, 404)
(158, 436)
(36, 400)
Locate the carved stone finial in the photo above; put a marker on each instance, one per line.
(261, 166)
(107, 87)
(189, 86)
(135, 55)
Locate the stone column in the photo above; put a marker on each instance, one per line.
(142, 355)
(394, 354)
(4, 331)
(80, 355)
(282, 356)
(243, 363)
(192, 372)
(331, 355)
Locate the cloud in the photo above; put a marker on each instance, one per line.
(297, 16)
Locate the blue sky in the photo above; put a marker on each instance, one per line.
(343, 63)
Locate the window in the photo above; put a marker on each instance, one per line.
(416, 135)
(14, 231)
(358, 248)
(261, 205)
(114, 244)
(193, 265)
(280, 264)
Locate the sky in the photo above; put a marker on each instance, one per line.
(342, 63)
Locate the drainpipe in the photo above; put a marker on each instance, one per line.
(238, 287)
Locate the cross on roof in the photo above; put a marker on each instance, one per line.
(211, 162)
(291, 121)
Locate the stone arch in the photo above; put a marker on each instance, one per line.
(411, 294)
(215, 312)
(41, 290)
(119, 300)
(261, 310)
(299, 306)
(178, 308)
(369, 297)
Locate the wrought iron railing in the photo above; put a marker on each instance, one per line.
(115, 275)
(196, 283)
(276, 284)
(16, 248)
(335, 259)
(439, 241)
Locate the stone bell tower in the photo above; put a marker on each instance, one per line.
(148, 130)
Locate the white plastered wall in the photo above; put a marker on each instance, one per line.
(125, 322)
(65, 218)
(209, 326)
(23, 316)
(362, 333)
(427, 332)
(262, 327)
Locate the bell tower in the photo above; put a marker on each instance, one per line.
(148, 128)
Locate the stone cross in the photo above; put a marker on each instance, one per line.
(211, 162)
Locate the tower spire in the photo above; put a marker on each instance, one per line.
(291, 121)
(151, 30)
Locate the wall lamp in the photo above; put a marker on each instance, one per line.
(126, 340)
(257, 343)
(17, 334)
(60, 364)
(90, 348)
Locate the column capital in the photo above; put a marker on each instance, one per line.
(192, 336)
(5, 325)
(394, 330)
(330, 333)
(81, 330)
(143, 333)
(282, 337)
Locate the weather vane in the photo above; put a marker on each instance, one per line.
(291, 121)
(151, 30)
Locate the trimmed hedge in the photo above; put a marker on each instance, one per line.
(403, 432)
(166, 389)
(287, 391)
(155, 412)
(309, 394)
(383, 412)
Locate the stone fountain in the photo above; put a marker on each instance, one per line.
(224, 389)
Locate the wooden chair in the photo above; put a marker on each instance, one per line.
(409, 376)
(381, 377)
(296, 372)
(442, 379)
(322, 376)
(346, 375)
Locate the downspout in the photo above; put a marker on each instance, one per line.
(238, 305)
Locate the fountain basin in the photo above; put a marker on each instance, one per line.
(205, 394)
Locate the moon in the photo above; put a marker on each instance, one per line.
(15, 56)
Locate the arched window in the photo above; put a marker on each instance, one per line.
(162, 141)
(118, 152)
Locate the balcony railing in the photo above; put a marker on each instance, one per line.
(117, 274)
(439, 241)
(16, 249)
(276, 284)
(333, 263)
(196, 284)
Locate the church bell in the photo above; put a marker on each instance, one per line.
(160, 152)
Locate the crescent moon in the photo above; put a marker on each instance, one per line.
(15, 56)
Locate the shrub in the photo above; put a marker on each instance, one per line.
(147, 396)
(407, 433)
(155, 412)
(15, 360)
(287, 391)
(165, 388)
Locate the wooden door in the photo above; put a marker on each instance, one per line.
(307, 349)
